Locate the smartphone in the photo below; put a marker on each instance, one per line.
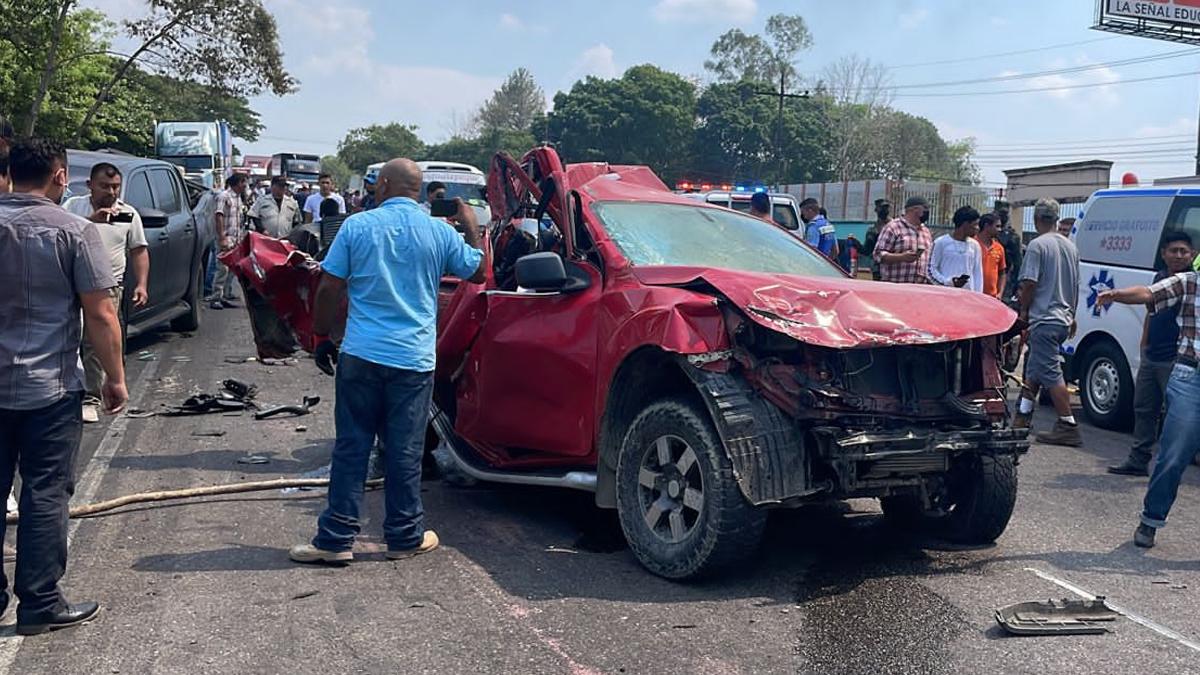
(442, 208)
(121, 217)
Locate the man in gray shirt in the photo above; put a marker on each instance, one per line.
(1049, 290)
(55, 264)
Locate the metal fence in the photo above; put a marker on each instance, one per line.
(855, 200)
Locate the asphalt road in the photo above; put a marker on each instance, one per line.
(532, 580)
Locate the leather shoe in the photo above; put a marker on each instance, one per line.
(1128, 468)
(74, 615)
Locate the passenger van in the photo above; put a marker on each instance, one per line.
(1119, 235)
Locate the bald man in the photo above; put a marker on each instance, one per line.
(389, 261)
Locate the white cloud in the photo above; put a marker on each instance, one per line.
(1179, 127)
(914, 18)
(511, 22)
(706, 11)
(596, 60)
(1098, 95)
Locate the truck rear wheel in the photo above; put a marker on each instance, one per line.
(679, 504)
(1106, 386)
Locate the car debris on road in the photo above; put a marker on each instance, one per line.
(1058, 617)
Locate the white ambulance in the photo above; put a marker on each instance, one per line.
(1118, 236)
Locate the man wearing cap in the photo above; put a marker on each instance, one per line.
(1014, 247)
(902, 252)
(1048, 293)
(883, 214)
(368, 199)
(276, 213)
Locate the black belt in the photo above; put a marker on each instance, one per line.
(1188, 361)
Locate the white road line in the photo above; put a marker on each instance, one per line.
(85, 490)
(1136, 618)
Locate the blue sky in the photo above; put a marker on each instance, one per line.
(431, 64)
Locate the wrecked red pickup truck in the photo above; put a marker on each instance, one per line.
(695, 367)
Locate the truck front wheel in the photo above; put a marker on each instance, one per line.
(981, 491)
(678, 501)
(973, 506)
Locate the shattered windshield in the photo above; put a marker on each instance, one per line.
(698, 236)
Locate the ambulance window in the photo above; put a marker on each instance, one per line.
(1123, 231)
(1185, 215)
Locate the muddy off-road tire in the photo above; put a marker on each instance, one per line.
(980, 494)
(679, 504)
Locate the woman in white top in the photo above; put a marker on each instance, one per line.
(957, 259)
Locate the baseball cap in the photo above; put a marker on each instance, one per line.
(916, 200)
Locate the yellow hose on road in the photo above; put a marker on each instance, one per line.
(187, 493)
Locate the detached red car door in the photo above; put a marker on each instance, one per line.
(529, 380)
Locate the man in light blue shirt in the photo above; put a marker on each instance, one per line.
(389, 262)
(818, 231)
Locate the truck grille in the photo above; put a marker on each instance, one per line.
(906, 465)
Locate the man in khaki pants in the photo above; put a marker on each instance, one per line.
(120, 228)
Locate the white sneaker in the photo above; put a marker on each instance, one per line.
(91, 413)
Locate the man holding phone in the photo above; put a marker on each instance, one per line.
(957, 258)
(388, 262)
(120, 229)
(902, 251)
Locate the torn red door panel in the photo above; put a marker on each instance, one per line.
(848, 313)
(280, 285)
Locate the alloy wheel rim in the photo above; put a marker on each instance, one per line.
(670, 489)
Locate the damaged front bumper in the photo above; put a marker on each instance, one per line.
(874, 463)
(873, 445)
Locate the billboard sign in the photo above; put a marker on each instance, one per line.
(1172, 20)
(1185, 12)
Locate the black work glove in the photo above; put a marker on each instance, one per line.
(326, 356)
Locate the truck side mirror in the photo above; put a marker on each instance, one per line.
(542, 272)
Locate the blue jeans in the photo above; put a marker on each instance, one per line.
(1178, 446)
(41, 445)
(393, 404)
(210, 272)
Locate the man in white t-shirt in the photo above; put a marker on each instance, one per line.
(957, 258)
(120, 228)
(312, 205)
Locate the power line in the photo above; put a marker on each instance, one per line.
(1076, 153)
(984, 57)
(1098, 142)
(1161, 56)
(1065, 87)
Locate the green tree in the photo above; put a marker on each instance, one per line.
(209, 41)
(647, 116)
(379, 143)
(126, 123)
(764, 58)
(27, 32)
(735, 136)
(335, 167)
(515, 105)
(478, 151)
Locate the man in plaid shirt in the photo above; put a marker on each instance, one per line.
(902, 252)
(1179, 442)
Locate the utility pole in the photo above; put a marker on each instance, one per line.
(782, 95)
(1197, 147)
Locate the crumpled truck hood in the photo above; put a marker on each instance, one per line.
(847, 313)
